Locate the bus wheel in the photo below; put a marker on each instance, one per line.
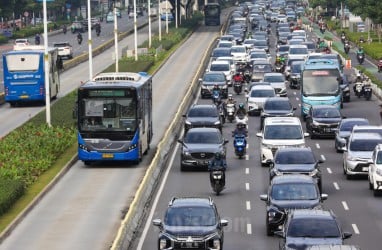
(13, 104)
(87, 163)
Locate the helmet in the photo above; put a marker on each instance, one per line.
(215, 85)
(230, 96)
(237, 73)
(241, 105)
(240, 125)
(217, 155)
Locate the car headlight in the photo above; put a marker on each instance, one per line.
(378, 171)
(186, 153)
(216, 244)
(204, 87)
(314, 123)
(187, 122)
(162, 243)
(313, 173)
(217, 123)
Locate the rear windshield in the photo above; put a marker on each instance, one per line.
(283, 132)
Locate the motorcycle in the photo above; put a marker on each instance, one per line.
(230, 112)
(360, 58)
(222, 112)
(217, 180)
(242, 119)
(279, 67)
(237, 87)
(98, 32)
(379, 65)
(346, 48)
(240, 145)
(79, 39)
(367, 91)
(358, 89)
(64, 30)
(343, 38)
(247, 76)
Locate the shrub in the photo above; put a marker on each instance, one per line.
(10, 191)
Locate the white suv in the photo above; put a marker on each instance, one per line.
(257, 96)
(222, 66)
(375, 170)
(280, 132)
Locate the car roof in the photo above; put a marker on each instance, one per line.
(333, 247)
(292, 178)
(324, 106)
(366, 136)
(191, 201)
(282, 120)
(354, 119)
(293, 149)
(309, 213)
(261, 86)
(220, 62)
(264, 61)
(203, 106)
(273, 74)
(204, 129)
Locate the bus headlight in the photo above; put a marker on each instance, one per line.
(132, 147)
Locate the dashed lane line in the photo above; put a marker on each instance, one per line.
(249, 229)
(355, 228)
(345, 205)
(329, 170)
(317, 145)
(335, 184)
(247, 186)
(248, 205)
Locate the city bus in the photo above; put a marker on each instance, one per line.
(212, 14)
(24, 74)
(114, 117)
(320, 84)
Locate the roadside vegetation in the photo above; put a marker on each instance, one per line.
(33, 154)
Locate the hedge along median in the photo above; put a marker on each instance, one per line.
(30, 151)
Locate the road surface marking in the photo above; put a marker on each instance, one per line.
(247, 186)
(317, 145)
(246, 170)
(345, 205)
(248, 205)
(329, 170)
(336, 185)
(249, 229)
(355, 228)
(323, 157)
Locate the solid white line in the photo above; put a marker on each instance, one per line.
(317, 145)
(345, 205)
(248, 205)
(336, 185)
(247, 186)
(246, 170)
(355, 228)
(249, 229)
(156, 200)
(329, 170)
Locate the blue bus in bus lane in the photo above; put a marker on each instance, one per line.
(114, 116)
(320, 84)
(24, 74)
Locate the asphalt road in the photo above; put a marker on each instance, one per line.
(84, 210)
(357, 209)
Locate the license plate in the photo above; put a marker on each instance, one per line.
(24, 96)
(189, 245)
(327, 130)
(365, 169)
(107, 156)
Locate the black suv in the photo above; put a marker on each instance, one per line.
(288, 192)
(202, 115)
(307, 227)
(191, 223)
(292, 160)
(276, 106)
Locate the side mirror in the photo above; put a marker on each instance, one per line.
(263, 197)
(200, 80)
(157, 222)
(224, 223)
(294, 108)
(306, 134)
(226, 141)
(324, 197)
(259, 134)
(347, 235)
(321, 161)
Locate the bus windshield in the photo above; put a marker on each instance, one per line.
(321, 82)
(23, 62)
(109, 114)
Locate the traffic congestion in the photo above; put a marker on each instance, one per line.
(279, 151)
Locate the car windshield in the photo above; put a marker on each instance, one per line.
(283, 132)
(262, 68)
(364, 145)
(283, 49)
(348, 126)
(274, 78)
(238, 50)
(203, 112)
(262, 93)
(203, 137)
(220, 67)
(294, 191)
(190, 216)
(326, 113)
(313, 228)
(296, 67)
(298, 51)
(261, 43)
(277, 105)
(297, 157)
(214, 78)
(220, 53)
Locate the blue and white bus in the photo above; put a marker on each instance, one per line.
(24, 77)
(320, 84)
(114, 113)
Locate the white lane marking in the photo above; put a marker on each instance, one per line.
(297, 99)
(345, 205)
(247, 157)
(329, 170)
(355, 228)
(323, 157)
(156, 200)
(335, 184)
(294, 92)
(317, 145)
(248, 205)
(299, 104)
(247, 186)
(249, 229)
(246, 170)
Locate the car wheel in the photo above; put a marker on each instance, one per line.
(344, 169)
(370, 185)
(376, 192)
(182, 167)
(268, 228)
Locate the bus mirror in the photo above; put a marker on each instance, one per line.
(75, 112)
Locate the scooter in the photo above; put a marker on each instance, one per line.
(217, 180)
(343, 37)
(221, 112)
(367, 91)
(358, 89)
(379, 65)
(79, 40)
(360, 58)
(279, 67)
(346, 48)
(216, 99)
(237, 87)
(98, 32)
(230, 112)
(242, 119)
(240, 145)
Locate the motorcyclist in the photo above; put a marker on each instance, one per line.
(215, 88)
(98, 28)
(64, 29)
(241, 129)
(230, 100)
(361, 39)
(360, 51)
(359, 79)
(218, 163)
(79, 37)
(37, 39)
(379, 65)
(238, 77)
(346, 46)
(241, 111)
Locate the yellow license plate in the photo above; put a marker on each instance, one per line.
(107, 156)
(24, 96)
